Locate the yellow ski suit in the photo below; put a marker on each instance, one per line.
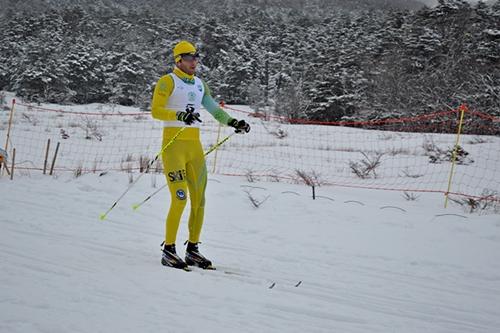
(184, 160)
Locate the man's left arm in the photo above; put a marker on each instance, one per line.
(220, 115)
(215, 110)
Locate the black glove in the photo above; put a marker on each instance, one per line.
(240, 125)
(188, 117)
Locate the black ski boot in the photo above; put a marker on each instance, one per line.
(195, 258)
(170, 258)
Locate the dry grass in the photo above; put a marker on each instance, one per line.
(310, 179)
(366, 167)
(408, 196)
(256, 203)
(486, 203)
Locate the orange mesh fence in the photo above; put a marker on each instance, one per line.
(405, 154)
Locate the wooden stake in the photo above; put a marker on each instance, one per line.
(463, 108)
(10, 124)
(8, 135)
(46, 157)
(13, 163)
(54, 159)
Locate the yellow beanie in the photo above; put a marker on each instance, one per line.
(183, 47)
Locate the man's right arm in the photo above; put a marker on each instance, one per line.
(163, 90)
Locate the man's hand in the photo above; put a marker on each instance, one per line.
(241, 126)
(188, 117)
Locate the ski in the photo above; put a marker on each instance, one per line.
(184, 268)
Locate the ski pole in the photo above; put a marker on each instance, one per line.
(218, 144)
(214, 147)
(103, 215)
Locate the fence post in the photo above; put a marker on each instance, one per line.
(462, 108)
(46, 157)
(54, 159)
(13, 164)
(8, 131)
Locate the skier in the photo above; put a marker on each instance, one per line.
(177, 100)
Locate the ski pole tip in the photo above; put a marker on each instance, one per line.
(102, 217)
(136, 206)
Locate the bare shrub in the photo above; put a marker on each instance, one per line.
(487, 202)
(408, 174)
(31, 119)
(410, 196)
(251, 177)
(469, 204)
(461, 156)
(159, 166)
(366, 167)
(255, 202)
(143, 164)
(78, 171)
(274, 176)
(91, 129)
(438, 155)
(64, 134)
(310, 179)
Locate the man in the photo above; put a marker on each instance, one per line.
(177, 100)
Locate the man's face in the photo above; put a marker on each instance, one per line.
(188, 63)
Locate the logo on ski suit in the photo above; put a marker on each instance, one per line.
(177, 176)
(180, 194)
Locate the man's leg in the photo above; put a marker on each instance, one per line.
(197, 183)
(175, 172)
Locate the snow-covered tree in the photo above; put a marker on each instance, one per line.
(376, 59)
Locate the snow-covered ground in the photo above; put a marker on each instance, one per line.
(352, 260)
(349, 261)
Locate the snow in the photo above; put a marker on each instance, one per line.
(364, 261)
(103, 137)
(492, 32)
(352, 260)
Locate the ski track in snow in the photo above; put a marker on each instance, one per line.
(360, 268)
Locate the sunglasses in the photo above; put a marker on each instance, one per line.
(190, 56)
